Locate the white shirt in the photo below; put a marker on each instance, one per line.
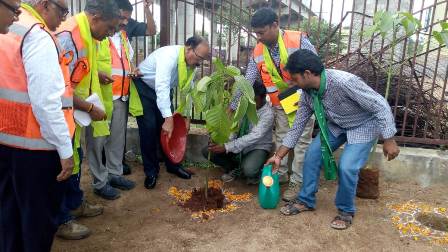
(160, 73)
(45, 87)
(116, 40)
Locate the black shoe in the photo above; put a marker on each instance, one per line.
(126, 169)
(150, 182)
(180, 172)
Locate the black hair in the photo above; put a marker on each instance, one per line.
(107, 9)
(302, 60)
(263, 17)
(124, 5)
(194, 41)
(259, 89)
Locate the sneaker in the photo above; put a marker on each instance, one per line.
(72, 231)
(121, 182)
(292, 191)
(231, 176)
(107, 192)
(87, 210)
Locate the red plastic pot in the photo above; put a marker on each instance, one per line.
(174, 147)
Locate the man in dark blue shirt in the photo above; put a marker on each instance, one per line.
(137, 29)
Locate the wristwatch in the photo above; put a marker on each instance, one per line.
(277, 156)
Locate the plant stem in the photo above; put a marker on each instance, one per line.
(206, 179)
(386, 95)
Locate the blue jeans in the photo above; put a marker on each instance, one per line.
(353, 158)
(73, 196)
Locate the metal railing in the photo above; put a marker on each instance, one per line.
(419, 84)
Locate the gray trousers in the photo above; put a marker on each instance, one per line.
(113, 147)
(281, 128)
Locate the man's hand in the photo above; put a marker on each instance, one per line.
(67, 169)
(168, 126)
(104, 78)
(97, 114)
(217, 148)
(275, 161)
(390, 149)
(135, 73)
(187, 123)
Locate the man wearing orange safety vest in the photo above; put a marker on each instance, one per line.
(81, 34)
(114, 64)
(36, 127)
(269, 58)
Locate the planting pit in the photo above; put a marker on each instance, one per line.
(434, 221)
(421, 221)
(218, 200)
(215, 200)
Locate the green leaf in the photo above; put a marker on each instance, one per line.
(441, 37)
(218, 124)
(218, 64)
(409, 22)
(241, 110)
(386, 24)
(203, 84)
(369, 31)
(245, 87)
(199, 100)
(444, 25)
(252, 113)
(234, 127)
(233, 71)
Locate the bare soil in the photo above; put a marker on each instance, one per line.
(215, 200)
(150, 220)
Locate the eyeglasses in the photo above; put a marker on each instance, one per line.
(200, 57)
(62, 10)
(15, 9)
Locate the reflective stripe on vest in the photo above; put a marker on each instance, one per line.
(22, 97)
(292, 44)
(271, 89)
(18, 125)
(26, 143)
(120, 70)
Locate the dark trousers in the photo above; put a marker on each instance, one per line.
(251, 162)
(149, 127)
(30, 199)
(73, 197)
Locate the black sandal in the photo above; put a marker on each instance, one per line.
(291, 208)
(342, 221)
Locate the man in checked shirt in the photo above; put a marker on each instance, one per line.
(355, 115)
(267, 63)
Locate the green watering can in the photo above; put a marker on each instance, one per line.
(269, 188)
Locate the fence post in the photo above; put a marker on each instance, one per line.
(165, 6)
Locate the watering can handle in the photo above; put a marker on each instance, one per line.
(269, 167)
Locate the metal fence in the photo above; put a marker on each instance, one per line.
(419, 86)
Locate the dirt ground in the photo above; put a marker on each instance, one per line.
(143, 220)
